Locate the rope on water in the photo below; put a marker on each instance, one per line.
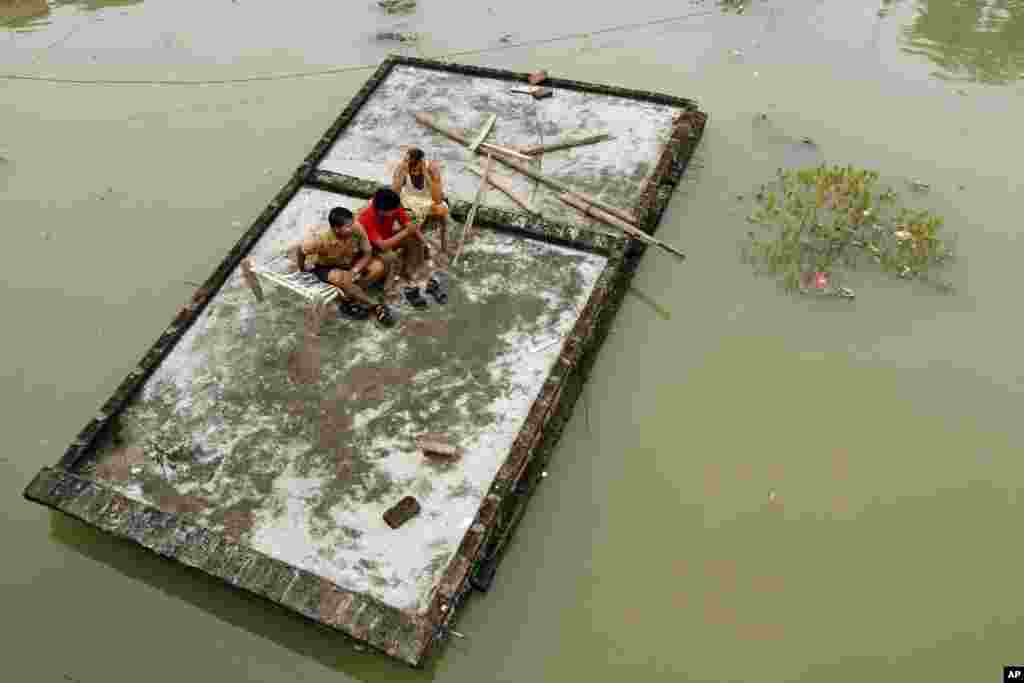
(363, 67)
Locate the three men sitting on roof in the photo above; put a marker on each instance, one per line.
(342, 255)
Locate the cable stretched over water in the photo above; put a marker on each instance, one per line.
(361, 67)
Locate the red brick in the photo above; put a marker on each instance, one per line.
(454, 576)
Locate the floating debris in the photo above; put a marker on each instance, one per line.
(961, 91)
(397, 6)
(918, 186)
(826, 220)
(400, 36)
(809, 141)
(845, 293)
(506, 38)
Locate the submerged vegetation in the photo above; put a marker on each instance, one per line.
(819, 223)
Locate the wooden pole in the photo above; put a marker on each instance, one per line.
(484, 132)
(251, 279)
(573, 200)
(533, 150)
(481, 191)
(500, 184)
(428, 120)
(498, 149)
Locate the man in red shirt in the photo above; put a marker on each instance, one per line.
(404, 249)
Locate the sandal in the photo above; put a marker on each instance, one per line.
(384, 315)
(415, 299)
(353, 311)
(437, 289)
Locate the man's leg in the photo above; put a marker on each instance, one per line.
(439, 214)
(375, 271)
(390, 262)
(342, 279)
(411, 254)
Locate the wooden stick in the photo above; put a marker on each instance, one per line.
(481, 191)
(574, 200)
(500, 184)
(428, 120)
(484, 132)
(566, 143)
(498, 149)
(251, 279)
(624, 216)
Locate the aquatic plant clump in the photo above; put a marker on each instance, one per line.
(820, 223)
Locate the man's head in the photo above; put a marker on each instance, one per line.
(386, 201)
(340, 219)
(415, 157)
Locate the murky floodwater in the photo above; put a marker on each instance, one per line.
(755, 488)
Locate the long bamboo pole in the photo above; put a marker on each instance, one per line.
(428, 120)
(251, 279)
(481, 191)
(498, 149)
(573, 200)
(566, 143)
(484, 132)
(500, 184)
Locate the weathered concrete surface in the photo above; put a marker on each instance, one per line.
(613, 170)
(295, 444)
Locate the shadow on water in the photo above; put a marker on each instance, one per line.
(970, 40)
(658, 309)
(238, 608)
(6, 170)
(33, 14)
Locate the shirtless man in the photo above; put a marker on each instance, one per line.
(422, 190)
(342, 256)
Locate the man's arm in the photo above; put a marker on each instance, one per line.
(360, 266)
(365, 254)
(389, 244)
(306, 247)
(436, 188)
(398, 178)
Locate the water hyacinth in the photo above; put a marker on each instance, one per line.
(819, 223)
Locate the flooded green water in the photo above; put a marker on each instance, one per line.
(756, 488)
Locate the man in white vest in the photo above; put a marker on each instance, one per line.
(421, 188)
